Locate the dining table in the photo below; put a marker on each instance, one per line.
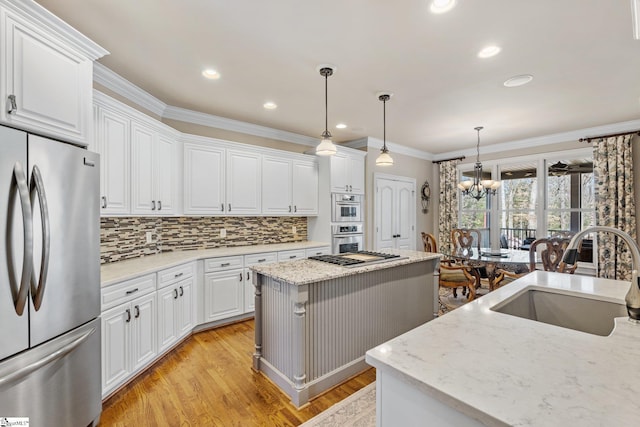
(492, 260)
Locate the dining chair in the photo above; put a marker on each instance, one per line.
(463, 239)
(505, 277)
(552, 250)
(455, 276)
(429, 242)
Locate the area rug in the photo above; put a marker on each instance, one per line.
(357, 410)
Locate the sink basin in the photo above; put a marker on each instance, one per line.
(567, 311)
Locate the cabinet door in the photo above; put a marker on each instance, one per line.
(51, 82)
(204, 179)
(224, 294)
(185, 317)
(249, 292)
(243, 182)
(276, 186)
(115, 346)
(114, 146)
(305, 188)
(356, 175)
(142, 190)
(143, 331)
(167, 309)
(339, 178)
(164, 174)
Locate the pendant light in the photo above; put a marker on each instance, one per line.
(384, 159)
(478, 187)
(326, 146)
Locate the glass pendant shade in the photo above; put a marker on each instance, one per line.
(326, 147)
(384, 159)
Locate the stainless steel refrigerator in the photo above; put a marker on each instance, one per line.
(49, 281)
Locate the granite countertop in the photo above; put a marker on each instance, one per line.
(305, 271)
(505, 370)
(123, 270)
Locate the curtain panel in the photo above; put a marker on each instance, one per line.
(448, 204)
(614, 204)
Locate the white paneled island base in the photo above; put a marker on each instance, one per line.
(315, 321)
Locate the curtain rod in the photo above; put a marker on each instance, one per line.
(588, 139)
(447, 160)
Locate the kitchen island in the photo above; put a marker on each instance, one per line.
(479, 366)
(315, 321)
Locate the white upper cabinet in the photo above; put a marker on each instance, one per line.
(243, 182)
(204, 179)
(289, 186)
(113, 142)
(47, 73)
(305, 187)
(152, 159)
(347, 173)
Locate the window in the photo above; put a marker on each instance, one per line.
(519, 204)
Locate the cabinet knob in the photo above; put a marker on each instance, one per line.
(13, 106)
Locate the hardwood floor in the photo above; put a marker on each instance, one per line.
(208, 381)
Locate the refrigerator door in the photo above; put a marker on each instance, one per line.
(15, 229)
(64, 182)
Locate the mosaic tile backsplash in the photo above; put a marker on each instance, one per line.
(126, 237)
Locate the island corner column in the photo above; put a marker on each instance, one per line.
(300, 297)
(257, 284)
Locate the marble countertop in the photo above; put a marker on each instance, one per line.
(305, 271)
(507, 371)
(123, 270)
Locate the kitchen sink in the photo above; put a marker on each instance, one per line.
(567, 311)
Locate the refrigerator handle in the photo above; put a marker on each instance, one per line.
(52, 357)
(37, 287)
(20, 177)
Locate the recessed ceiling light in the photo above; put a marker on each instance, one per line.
(442, 6)
(270, 105)
(210, 73)
(489, 51)
(518, 80)
(341, 126)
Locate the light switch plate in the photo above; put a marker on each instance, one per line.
(223, 232)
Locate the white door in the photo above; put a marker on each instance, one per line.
(114, 146)
(143, 199)
(305, 188)
(244, 177)
(164, 172)
(204, 179)
(395, 207)
(224, 294)
(185, 307)
(115, 346)
(167, 317)
(143, 331)
(276, 186)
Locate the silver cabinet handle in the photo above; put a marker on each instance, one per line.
(295, 209)
(248, 276)
(175, 294)
(241, 277)
(229, 207)
(90, 163)
(104, 202)
(293, 256)
(289, 208)
(178, 275)
(222, 207)
(52, 357)
(137, 309)
(37, 287)
(181, 291)
(159, 205)
(133, 291)
(128, 315)
(153, 205)
(225, 264)
(27, 227)
(13, 105)
(262, 260)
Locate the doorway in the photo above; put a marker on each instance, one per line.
(394, 212)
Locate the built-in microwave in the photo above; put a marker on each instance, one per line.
(346, 207)
(346, 238)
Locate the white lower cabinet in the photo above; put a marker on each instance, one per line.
(175, 314)
(128, 340)
(224, 294)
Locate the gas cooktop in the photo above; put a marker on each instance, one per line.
(357, 259)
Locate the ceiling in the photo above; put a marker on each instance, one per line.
(582, 54)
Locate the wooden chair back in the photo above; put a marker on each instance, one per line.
(505, 277)
(463, 239)
(429, 242)
(551, 255)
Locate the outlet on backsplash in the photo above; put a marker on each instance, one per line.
(149, 237)
(294, 229)
(223, 233)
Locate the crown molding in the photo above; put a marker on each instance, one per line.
(195, 117)
(128, 90)
(393, 147)
(32, 11)
(555, 138)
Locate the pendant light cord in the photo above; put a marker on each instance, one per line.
(384, 124)
(326, 105)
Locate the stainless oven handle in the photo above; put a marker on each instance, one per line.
(350, 236)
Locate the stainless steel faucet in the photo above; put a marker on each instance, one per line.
(633, 295)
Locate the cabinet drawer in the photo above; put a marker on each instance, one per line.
(222, 263)
(264, 258)
(174, 274)
(291, 255)
(324, 250)
(127, 291)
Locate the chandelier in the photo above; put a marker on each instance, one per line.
(326, 146)
(478, 187)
